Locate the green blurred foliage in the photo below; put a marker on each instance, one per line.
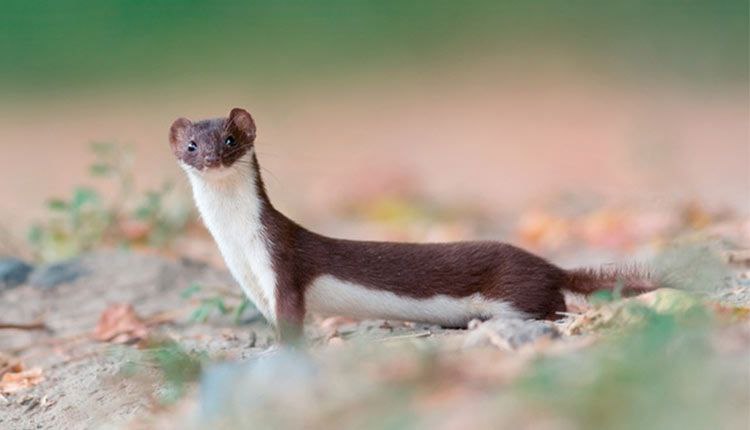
(215, 304)
(88, 220)
(51, 45)
(662, 370)
(175, 365)
(661, 374)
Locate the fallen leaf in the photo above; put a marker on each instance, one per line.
(740, 257)
(331, 326)
(120, 324)
(695, 215)
(606, 228)
(731, 313)
(18, 379)
(134, 230)
(335, 341)
(8, 364)
(539, 229)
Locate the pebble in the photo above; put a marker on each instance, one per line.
(52, 275)
(13, 272)
(513, 332)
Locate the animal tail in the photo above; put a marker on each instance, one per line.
(629, 281)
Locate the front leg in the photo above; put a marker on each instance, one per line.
(290, 312)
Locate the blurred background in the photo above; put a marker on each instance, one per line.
(496, 106)
(586, 131)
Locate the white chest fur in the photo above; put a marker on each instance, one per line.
(230, 208)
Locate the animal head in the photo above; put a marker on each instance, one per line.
(214, 144)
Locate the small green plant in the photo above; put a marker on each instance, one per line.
(75, 225)
(87, 219)
(176, 366)
(658, 371)
(216, 304)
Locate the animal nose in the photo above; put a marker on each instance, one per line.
(211, 160)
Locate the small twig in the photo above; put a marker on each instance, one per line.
(495, 339)
(407, 336)
(20, 326)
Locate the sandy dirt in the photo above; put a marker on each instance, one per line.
(85, 383)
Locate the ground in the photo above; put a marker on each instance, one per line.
(95, 373)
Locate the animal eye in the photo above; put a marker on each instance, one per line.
(192, 146)
(229, 141)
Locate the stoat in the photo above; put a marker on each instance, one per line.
(287, 270)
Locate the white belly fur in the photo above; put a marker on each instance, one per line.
(329, 295)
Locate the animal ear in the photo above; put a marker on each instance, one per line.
(179, 132)
(243, 121)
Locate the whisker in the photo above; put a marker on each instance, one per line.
(270, 154)
(235, 150)
(272, 175)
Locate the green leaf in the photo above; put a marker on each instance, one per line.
(190, 291)
(101, 148)
(57, 205)
(244, 304)
(142, 213)
(218, 303)
(82, 196)
(100, 169)
(602, 296)
(200, 314)
(35, 234)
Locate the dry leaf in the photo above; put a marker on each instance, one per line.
(543, 230)
(731, 313)
(18, 379)
(335, 341)
(606, 228)
(134, 230)
(331, 325)
(739, 258)
(120, 324)
(695, 215)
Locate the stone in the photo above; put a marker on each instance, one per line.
(52, 275)
(510, 333)
(13, 272)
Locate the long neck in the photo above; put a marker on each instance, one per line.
(235, 196)
(232, 204)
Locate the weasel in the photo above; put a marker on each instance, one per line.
(287, 270)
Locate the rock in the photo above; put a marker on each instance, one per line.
(13, 272)
(510, 333)
(52, 275)
(279, 376)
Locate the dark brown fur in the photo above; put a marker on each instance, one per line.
(496, 270)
